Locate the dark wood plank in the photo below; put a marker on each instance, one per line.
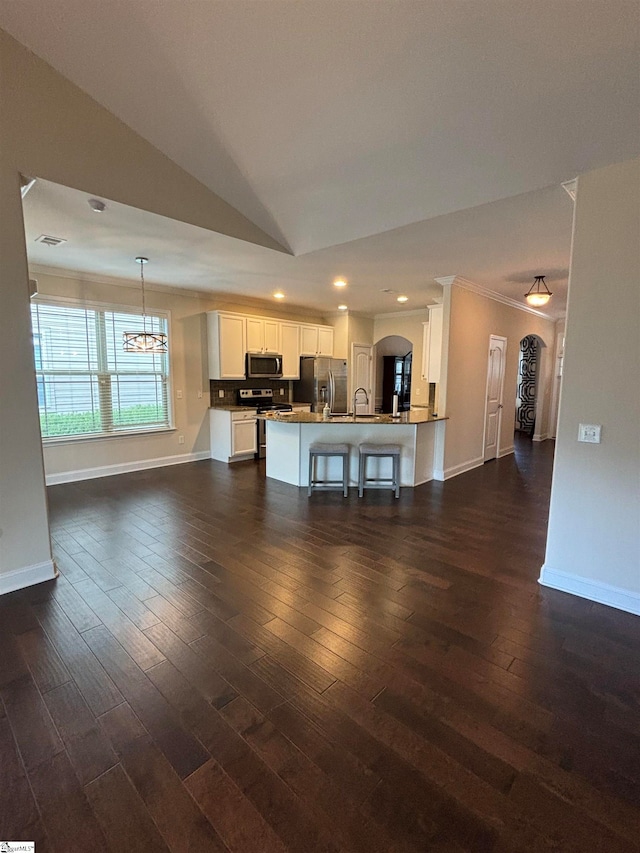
(46, 666)
(33, 728)
(86, 745)
(19, 817)
(122, 814)
(99, 691)
(66, 814)
(182, 750)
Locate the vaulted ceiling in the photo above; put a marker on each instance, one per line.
(429, 137)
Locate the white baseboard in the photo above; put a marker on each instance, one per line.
(541, 436)
(505, 451)
(603, 593)
(28, 576)
(448, 473)
(124, 468)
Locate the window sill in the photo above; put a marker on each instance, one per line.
(75, 439)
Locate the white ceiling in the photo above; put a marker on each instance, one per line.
(328, 122)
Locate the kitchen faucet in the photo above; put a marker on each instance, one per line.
(355, 399)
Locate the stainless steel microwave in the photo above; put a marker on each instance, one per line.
(265, 365)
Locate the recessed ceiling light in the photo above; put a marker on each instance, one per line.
(96, 205)
(340, 282)
(278, 295)
(342, 307)
(403, 299)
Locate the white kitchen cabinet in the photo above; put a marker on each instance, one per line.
(290, 349)
(227, 345)
(233, 434)
(316, 340)
(263, 335)
(432, 344)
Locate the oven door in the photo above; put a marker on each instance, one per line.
(264, 366)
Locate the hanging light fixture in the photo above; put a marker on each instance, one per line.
(144, 341)
(536, 295)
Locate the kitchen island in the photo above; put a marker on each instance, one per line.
(289, 435)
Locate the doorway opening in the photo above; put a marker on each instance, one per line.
(394, 357)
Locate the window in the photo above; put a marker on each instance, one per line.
(87, 384)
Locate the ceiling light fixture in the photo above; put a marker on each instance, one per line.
(96, 205)
(535, 295)
(144, 341)
(402, 299)
(340, 282)
(278, 295)
(342, 307)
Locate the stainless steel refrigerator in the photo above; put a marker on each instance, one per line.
(322, 379)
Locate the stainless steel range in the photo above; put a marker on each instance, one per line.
(261, 399)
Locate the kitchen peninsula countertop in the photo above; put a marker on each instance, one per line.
(412, 417)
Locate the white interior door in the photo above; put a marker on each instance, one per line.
(362, 376)
(495, 387)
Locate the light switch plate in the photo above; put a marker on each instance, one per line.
(589, 433)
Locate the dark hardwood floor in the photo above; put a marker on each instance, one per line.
(224, 664)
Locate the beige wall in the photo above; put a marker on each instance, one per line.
(593, 545)
(189, 374)
(473, 319)
(53, 130)
(409, 325)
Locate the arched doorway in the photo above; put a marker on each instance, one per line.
(393, 359)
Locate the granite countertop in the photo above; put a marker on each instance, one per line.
(414, 417)
(234, 408)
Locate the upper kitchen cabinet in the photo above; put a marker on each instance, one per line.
(227, 345)
(316, 340)
(432, 344)
(263, 335)
(290, 349)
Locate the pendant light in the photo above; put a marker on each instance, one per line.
(537, 296)
(144, 341)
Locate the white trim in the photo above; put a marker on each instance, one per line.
(27, 576)
(571, 188)
(603, 593)
(448, 473)
(414, 312)
(465, 284)
(541, 436)
(505, 451)
(124, 467)
(95, 305)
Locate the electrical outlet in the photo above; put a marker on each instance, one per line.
(179, 395)
(589, 433)
(220, 392)
(199, 395)
(180, 439)
(282, 392)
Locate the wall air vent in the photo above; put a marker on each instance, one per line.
(50, 241)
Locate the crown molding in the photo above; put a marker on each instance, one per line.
(571, 188)
(465, 284)
(414, 312)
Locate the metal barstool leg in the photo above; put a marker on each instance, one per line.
(345, 475)
(396, 474)
(361, 470)
(311, 458)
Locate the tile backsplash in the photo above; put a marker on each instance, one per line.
(232, 386)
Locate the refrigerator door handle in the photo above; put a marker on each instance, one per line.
(332, 390)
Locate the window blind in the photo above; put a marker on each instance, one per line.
(87, 384)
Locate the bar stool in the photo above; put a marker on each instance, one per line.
(379, 451)
(317, 450)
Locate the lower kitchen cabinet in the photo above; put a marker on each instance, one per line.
(233, 435)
